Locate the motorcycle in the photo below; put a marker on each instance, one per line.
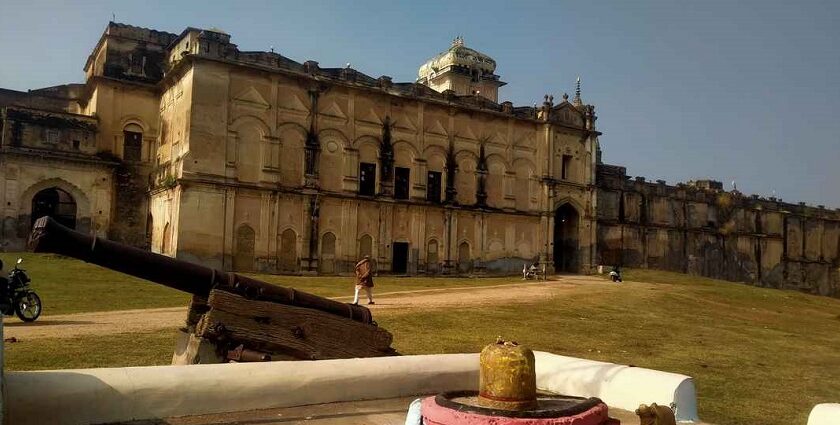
(615, 276)
(16, 297)
(532, 273)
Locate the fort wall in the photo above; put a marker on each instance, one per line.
(699, 228)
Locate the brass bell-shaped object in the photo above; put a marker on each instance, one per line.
(507, 377)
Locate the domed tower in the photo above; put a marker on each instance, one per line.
(463, 70)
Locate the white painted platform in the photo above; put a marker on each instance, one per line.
(825, 414)
(90, 396)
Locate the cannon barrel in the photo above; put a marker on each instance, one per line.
(51, 237)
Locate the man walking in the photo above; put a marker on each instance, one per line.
(364, 279)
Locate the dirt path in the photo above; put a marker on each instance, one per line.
(146, 320)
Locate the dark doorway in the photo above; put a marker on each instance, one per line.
(55, 203)
(399, 262)
(566, 239)
(401, 182)
(132, 146)
(433, 187)
(367, 179)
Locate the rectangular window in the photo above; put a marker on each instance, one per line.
(53, 136)
(401, 182)
(433, 187)
(567, 164)
(132, 145)
(367, 179)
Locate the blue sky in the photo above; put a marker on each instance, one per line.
(732, 90)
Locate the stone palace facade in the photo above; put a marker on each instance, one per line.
(250, 161)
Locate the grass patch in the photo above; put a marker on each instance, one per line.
(117, 350)
(759, 356)
(67, 285)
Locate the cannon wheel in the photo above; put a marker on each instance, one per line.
(28, 307)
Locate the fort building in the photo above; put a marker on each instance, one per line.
(252, 161)
(188, 146)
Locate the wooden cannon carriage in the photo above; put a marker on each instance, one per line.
(231, 317)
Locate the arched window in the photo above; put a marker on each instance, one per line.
(287, 261)
(55, 203)
(132, 143)
(365, 246)
(327, 263)
(243, 258)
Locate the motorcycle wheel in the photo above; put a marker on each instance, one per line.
(28, 307)
(614, 278)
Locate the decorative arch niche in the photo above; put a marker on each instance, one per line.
(243, 258)
(326, 265)
(287, 258)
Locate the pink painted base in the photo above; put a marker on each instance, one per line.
(433, 414)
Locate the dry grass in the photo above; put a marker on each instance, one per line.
(71, 286)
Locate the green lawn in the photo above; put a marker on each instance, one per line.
(67, 285)
(759, 356)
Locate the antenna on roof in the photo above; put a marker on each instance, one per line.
(113, 17)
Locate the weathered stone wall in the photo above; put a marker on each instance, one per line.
(41, 150)
(270, 231)
(23, 176)
(267, 163)
(706, 231)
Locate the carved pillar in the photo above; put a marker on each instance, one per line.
(314, 216)
(451, 169)
(449, 224)
(312, 148)
(386, 158)
(481, 174)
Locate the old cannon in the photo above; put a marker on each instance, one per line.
(231, 317)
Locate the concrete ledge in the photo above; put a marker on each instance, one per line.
(825, 414)
(619, 386)
(92, 396)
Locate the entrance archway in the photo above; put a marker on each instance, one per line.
(566, 220)
(55, 203)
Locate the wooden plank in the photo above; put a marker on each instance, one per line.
(198, 306)
(301, 332)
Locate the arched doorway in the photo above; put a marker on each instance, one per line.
(243, 259)
(288, 261)
(132, 142)
(464, 258)
(327, 261)
(566, 243)
(432, 256)
(55, 203)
